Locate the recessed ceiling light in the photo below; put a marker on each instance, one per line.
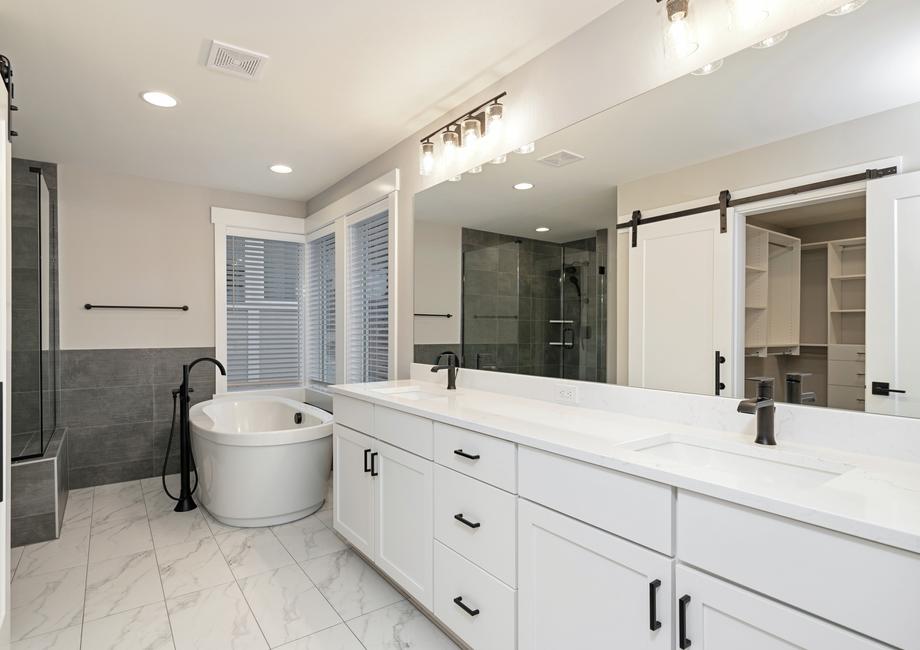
(281, 169)
(542, 229)
(776, 39)
(160, 99)
(847, 8)
(709, 68)
(523, 186)
(527, 148)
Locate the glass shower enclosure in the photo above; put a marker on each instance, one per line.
(535, 307)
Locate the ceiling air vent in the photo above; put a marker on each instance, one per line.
(237, 61)
(560, 158)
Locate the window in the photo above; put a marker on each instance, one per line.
(265, 311)
(321, 308)
(368, 296)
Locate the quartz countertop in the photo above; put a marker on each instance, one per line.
(870, 497)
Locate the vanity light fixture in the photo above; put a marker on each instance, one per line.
(159, 99)
(526, 148)
(542, 229)
(680, 40)
(776, 39)
(847, 8)
(426, 162)
(709, 68)
(467, 131)
(747, 13)
(471, 133)
(281, 169)
(523, 186)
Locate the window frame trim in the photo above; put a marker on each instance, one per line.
(336, 228)
(254, 224)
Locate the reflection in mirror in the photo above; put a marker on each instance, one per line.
(758, 221)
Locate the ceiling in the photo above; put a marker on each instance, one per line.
(826, 72)
(346, 80)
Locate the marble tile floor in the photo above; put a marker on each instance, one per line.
(129, 573)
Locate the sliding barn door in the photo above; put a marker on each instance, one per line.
(681, 298)
(893, 294)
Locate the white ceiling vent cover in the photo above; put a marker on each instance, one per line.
(237, 61)
(560, 158)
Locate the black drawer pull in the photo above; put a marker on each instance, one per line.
(466, 522)
(653, 622)
(682, 639)
(460, 452)
(366, 459)
(374, 471)
(459, 601)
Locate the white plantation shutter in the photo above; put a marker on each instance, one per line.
(265, 312)
(368, 307)
(321, 309)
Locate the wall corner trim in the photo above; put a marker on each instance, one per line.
(366, 195)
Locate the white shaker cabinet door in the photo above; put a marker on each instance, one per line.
(579, 587)
(405, 520)
(353, 490)
(716, 615)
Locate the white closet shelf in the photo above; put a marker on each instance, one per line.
(813, 345)
(848, 311)
(755, 306)
(755, 269)
(852, 276)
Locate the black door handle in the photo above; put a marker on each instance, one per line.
(460, 452)
(374, 471)
(720, 385)
(366, 454)
(466, 522)
(459, 601)
(884, 389)
(653, 622)
(682, 639)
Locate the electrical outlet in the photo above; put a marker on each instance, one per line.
(567, 394)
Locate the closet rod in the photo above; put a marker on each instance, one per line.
(726, 201)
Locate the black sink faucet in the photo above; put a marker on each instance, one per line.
(452, 367)
(764, 408)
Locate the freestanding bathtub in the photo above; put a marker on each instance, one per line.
(261, 460)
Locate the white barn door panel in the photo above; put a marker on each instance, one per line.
(681, 304)
(893, 293)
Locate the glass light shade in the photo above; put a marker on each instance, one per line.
(472, 132)
(527, 148)
(709, 68)
(747, 13)
(494, 114)
(680, 40)
(500, 160)
(451, 141)
(776, 39)
(426, 161)
(847, 8)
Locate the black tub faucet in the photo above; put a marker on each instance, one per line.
(764, 408)
(452, 368)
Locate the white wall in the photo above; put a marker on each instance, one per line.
(438, 250)
(130, 240)
(618, 56)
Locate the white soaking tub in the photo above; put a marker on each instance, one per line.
(261, 460)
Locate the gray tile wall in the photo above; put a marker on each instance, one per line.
(117, 406)
(39, 488)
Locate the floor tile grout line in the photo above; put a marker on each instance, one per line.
(92, 510)
(156, 564)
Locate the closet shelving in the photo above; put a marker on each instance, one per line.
(772, 292)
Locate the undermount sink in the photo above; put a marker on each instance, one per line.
(410, 392)
(767, 466)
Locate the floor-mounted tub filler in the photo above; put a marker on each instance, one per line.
(261, 460)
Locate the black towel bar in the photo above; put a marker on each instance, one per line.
(90, 306)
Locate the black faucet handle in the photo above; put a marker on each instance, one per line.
(764, 386)
(453, 359)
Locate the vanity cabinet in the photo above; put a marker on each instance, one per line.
(717, 615)
(353, 487)
(583, 588)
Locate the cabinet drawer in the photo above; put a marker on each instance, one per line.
(624, 505)
(496, 461)
(840, 352)
(489, 537)
(867, 587)
(353, 413)
(846, 373)
(405, 431)
(846, 397)
(493, 625)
